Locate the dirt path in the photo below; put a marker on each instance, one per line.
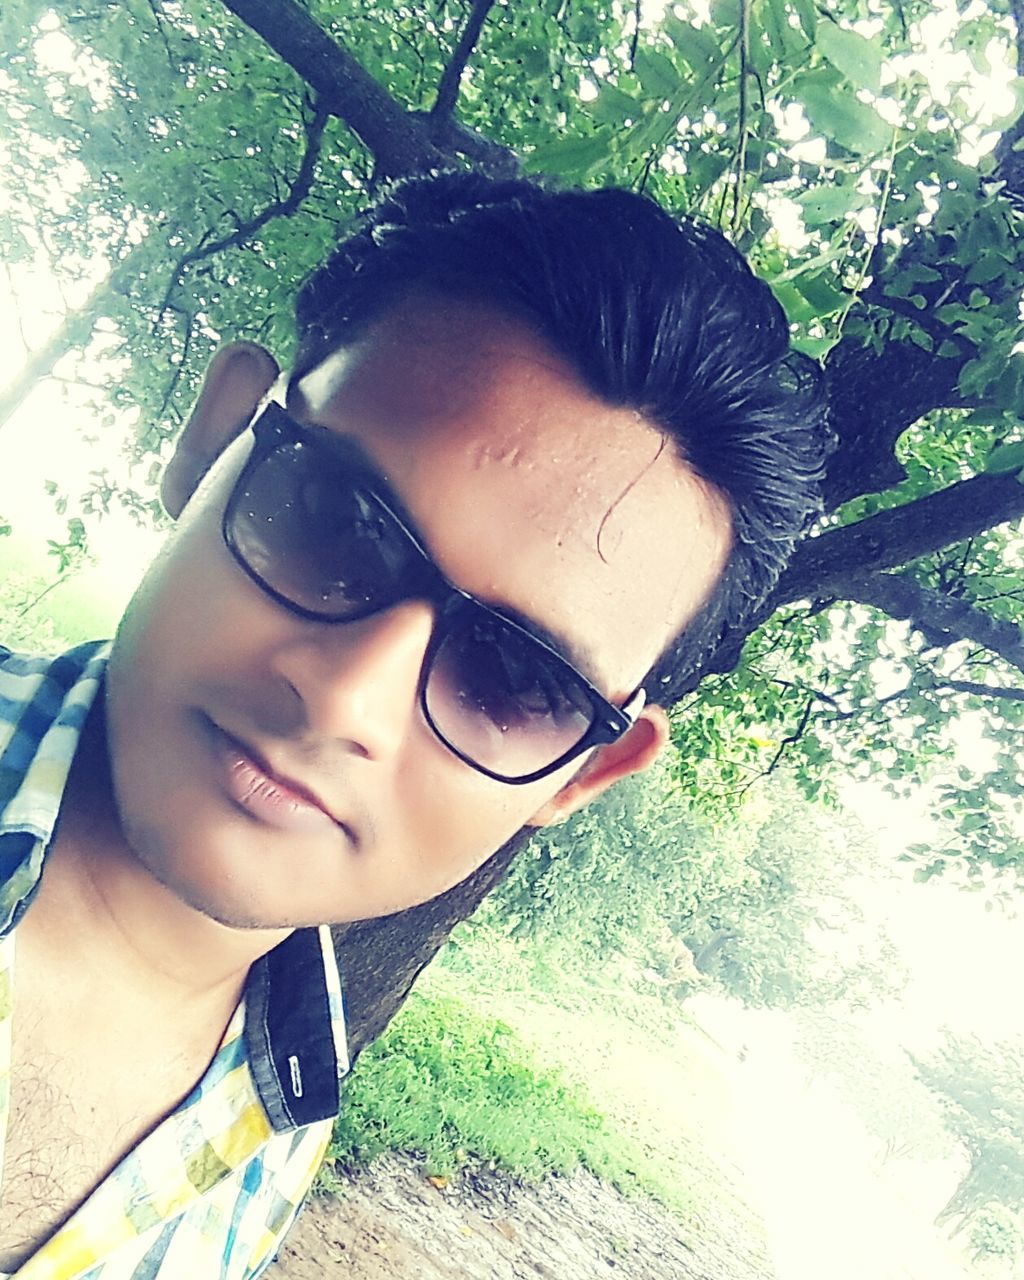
(390, 1223)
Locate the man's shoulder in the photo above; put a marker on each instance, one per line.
(44, 702)
(28, 678)
(72, 661)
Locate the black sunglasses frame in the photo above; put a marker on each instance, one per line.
(273, 427)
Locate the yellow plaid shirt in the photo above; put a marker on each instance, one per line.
(211, 1192)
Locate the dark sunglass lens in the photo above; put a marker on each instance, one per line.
(314, 539)
(503, 700)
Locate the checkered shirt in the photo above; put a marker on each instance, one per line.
(210, 1193)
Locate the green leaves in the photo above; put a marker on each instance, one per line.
(614, 107)
(835, 111)
(829, 204)
(576, 158)
(981, 1091)
(656, 73)
(855, 56)
(1006, 458)
(697, 46)
(192, 125)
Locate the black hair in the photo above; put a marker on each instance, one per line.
(655, 313)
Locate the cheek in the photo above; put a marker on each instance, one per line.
(454, 819)
(187, 606)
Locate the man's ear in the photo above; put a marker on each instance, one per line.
(636, 750)
(236, 380)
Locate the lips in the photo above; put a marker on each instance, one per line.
(263, 794)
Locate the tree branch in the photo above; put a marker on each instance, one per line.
(741, 127)
(873, 398)
(451, 78)
(382, 957)
(638, 13)
(943, 619)
(1010, 163)
(280, 208)
(343, 85)
(835, 565)
(792, 738)
(983, 690)
(822, 566)
(400, 141)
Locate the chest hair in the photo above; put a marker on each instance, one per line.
(79, 1104)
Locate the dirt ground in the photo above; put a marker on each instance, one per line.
(391, 1223)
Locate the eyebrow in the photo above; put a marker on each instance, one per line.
(578, 656)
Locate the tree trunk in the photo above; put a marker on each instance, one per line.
(380, 959)
(72, 335)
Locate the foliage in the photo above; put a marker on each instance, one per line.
(38, 616)
(877, 1081)
(849, 149)
(503, 1054)
(612, 874)
(26, 627)
(790, 930)
(996, 1233)
(981, 1088)
(759, 906)
(461, 1087)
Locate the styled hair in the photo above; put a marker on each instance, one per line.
(655, 313)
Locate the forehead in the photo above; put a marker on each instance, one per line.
(529, 491)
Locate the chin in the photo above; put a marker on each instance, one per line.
(217, 892)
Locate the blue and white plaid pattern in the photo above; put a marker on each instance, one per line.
(213, 1189)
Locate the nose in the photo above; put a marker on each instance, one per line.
(357, 681)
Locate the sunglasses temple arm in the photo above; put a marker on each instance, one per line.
(635, 705)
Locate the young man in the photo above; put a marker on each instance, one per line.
(537, 452)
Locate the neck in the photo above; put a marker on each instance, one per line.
(97, 896)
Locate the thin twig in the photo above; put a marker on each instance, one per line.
(741, 141)
(1000, 595)
(968, 552)
(794, 737)
(186, 346)
(162, 32)
(451, 77)
(17, 309)
(280, 208)
(876, 239)
(1008, 693)
(645, 176)
(36, 599)
(820, 694)
(637, 13)
(788, 741)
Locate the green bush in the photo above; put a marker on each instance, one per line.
(460, 1088)
(996, 1233)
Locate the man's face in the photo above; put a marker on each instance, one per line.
(276, 771)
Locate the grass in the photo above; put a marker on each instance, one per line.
(502, 1059)
(456, 1084)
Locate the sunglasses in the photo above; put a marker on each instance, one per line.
(309, 523)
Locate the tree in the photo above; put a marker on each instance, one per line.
(759, 906)
(208, 153)
(981, 1089)
(876, 1079)
(790, 930)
